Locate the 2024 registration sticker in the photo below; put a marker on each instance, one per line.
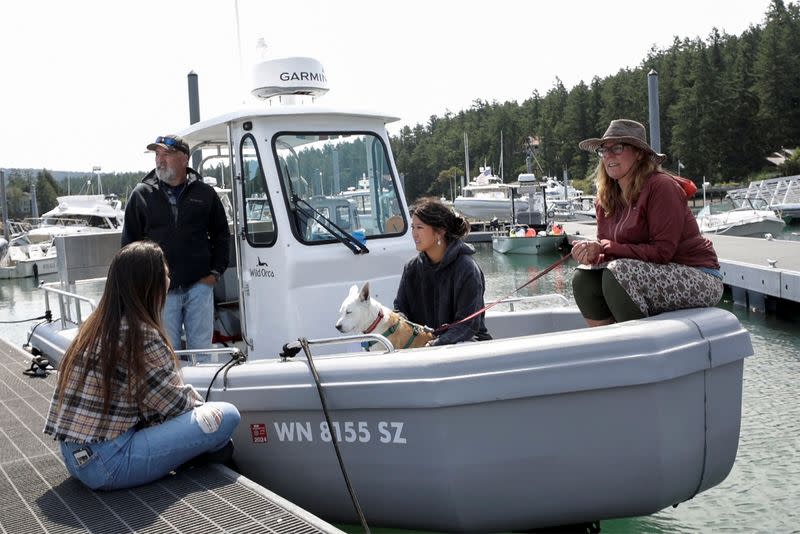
(386, 432)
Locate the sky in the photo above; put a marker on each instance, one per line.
(91, 83)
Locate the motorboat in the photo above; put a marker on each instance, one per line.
(748, 217)
(580, 208)
(558, 190)
(522, 239)
(486, 197)
(20, 258)
(781, 195)
(79, 214)
(549, 423)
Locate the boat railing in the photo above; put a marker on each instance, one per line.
(361, 338)
(69, 302)
(190, 355)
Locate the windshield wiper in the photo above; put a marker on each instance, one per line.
(309, 213)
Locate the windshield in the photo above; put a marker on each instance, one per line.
(344, 177)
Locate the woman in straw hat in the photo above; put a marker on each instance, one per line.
(649, 256)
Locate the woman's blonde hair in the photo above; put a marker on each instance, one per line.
(136, 290)
(610, 195)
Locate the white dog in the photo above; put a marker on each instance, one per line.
(361, 313)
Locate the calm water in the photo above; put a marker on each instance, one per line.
(762, 492)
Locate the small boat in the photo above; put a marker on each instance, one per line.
(20, 258)
(575, 209)
(525, 240)
(781, 195)
(557, 190)
(747, 218)
(549, 423)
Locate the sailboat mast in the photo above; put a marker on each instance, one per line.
(466, 157)
(502, 177)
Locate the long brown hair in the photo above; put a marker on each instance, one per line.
(136, 289)
(609, 193)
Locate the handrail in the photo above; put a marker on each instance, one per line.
(64, 298)
(214, 350)
(347, 339)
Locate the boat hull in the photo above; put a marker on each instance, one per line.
(751, 229)
(29, 268)
(527, 245)
(509, 434)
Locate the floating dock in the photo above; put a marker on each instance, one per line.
(758, 270)
(39, 496)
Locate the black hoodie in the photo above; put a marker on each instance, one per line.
(196, 242)
(444, 293)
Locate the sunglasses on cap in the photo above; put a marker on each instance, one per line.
(160, 140)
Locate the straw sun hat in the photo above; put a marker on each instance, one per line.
(623, 131)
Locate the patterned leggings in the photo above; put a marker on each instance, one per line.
(629, 289)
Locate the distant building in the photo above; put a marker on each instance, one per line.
(780, 157)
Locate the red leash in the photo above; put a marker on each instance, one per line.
(446, 326)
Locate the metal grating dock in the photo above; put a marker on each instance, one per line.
(38, 495)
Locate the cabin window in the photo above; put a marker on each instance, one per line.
(338, 182)
(258, 221)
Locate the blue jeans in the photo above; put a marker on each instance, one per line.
(142, 456)
(193, 309)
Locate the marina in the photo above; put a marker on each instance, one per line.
(681, 422)
(405, 421)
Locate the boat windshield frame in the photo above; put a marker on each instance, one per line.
(325, 170)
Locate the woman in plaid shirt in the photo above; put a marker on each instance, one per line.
(121, 411)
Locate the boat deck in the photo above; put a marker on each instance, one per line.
(38, 495)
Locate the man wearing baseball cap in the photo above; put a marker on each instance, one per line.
(175, 208)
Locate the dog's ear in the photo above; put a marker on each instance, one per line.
(364, 292)
(353, 291)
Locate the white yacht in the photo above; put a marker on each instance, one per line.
(549, 423)
(486, 197)
(79, 214)
(557, 190)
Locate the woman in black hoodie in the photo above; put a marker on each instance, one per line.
(443, 284)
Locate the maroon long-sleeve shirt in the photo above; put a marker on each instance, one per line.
(658, 228)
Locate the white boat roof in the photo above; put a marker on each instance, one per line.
(215, 129)
(83, 205)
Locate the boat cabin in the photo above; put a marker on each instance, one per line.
(313, 191)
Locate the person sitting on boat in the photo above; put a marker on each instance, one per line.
(443, 284)
(649, 256)
(121, 412)
(175, 208)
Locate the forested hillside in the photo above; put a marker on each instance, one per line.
(726, 103)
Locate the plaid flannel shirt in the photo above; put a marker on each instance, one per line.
(80, 417)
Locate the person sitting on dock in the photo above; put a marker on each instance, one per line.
(442, 284)
(121, 412)
(649, 256)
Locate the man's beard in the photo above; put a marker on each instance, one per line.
(165, 174)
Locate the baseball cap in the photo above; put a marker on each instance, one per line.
(170, 142)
